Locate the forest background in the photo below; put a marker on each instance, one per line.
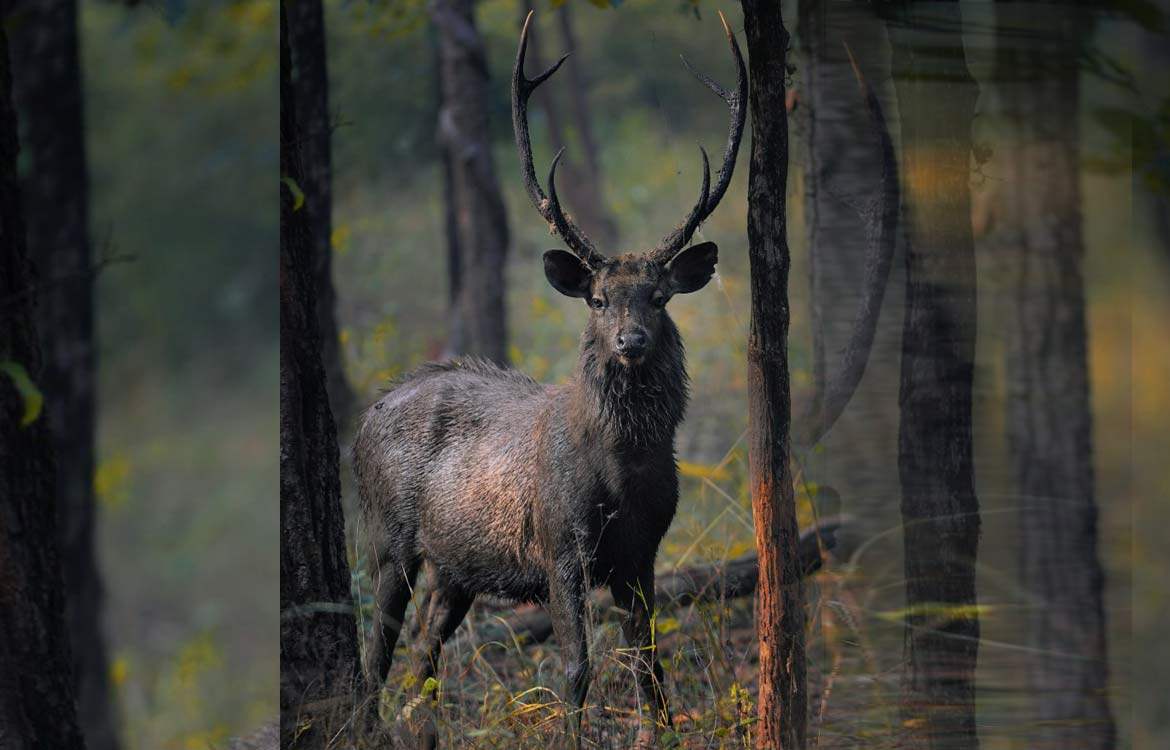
(186, 477)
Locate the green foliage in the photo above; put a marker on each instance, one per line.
(297, 194)
(33, 399)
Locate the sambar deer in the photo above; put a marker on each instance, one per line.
(538, 493)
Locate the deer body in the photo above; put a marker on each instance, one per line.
(494, 479)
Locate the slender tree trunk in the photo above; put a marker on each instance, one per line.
(310, 81)
(780, 616)
(318, 633)
(843, 165)
(1041, 249)
(37, 689)
(481, 219)
(47, 90)
(454, 345)
(1155, 56)
(940, 512)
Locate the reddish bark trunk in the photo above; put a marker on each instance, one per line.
(780, 618)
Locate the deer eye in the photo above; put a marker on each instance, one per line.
(658, 300)
(597, 303)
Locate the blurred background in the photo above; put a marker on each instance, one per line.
(180, 107)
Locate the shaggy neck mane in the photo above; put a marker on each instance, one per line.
(640, 406)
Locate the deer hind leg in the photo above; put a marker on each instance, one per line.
(447, 608)
(393, 579)
(636, 595)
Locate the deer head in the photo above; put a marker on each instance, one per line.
(627, 294)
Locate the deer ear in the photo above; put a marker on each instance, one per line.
(567, 273)
(691, 269)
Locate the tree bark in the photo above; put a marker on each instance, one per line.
(481, 219)
(851, 208)
(852, 203)
(48, 95)
(37, 689)
(454, 346)
(940, 511)
(310, 82)
(318, 632)
(1041, 251)
(780, 616)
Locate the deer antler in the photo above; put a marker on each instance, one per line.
(547, 206)
(681, 234)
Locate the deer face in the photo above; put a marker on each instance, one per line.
(627, 295)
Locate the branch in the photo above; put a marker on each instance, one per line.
(701, 583)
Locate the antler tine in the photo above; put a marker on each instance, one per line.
(564, 227)
(522, 88)
(664, 253)
(681, 235)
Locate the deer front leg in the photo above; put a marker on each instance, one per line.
(635, 594)
(566, 606)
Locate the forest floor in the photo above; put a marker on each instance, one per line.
(496, 691)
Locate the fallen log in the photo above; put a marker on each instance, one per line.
(713, 582)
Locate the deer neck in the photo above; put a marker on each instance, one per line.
(635, 408)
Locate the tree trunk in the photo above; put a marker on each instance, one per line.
(780, 616)
(48, 96)
(310, 82)
(318, 632)
(843, 167)
(1041, 250)
(454, 346)
(481, 219)
(940, 512)
(37, 689)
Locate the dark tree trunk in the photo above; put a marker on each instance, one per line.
(1041, 251)
(37, 692)
(843, 169)
(454, 345)
(1155, 56)
(780, 616)
(480, 216)
(318, 632)
(47, 90)
(940, 512)
(310, 82)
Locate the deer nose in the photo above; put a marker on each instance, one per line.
(631, 344)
